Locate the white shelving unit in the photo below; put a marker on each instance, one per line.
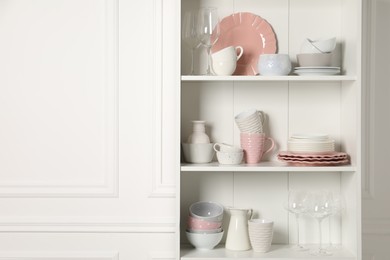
(293, 104)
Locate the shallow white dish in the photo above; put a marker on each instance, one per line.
(311, 137)
(312, 71)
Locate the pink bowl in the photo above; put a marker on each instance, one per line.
(194, 223)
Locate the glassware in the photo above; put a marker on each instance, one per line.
(319, 207)
(337, 207)
(208, 31)
(296, 204)
(190, 34)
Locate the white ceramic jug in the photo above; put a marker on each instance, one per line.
(238, 236)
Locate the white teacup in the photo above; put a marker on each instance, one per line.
(225, 60)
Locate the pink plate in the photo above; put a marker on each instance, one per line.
(254, 34)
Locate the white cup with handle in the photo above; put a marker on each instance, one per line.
(225, 61)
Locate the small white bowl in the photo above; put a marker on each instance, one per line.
(198, 153)
(318, 46)
(204, 241)
(314, 59)
(325, 45)
(274, 64)
(207, 210)
(230, 158)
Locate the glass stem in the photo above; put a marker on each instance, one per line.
(208, 72)
(297, 219)
(330, 231)
(320, 232)
(192, 62)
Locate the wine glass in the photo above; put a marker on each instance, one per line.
(296, 205)
(208, 31)
(337, 207)
(319, 207)
(190, 34)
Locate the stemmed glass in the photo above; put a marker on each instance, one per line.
(190, 34)
(296, 204)
(208, 31)
(338, 205)
(319, 207)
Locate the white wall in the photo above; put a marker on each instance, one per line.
(84, 173)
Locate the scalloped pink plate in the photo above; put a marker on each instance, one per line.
(254, 34)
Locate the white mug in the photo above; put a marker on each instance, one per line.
(225, 60)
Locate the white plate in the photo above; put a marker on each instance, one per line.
(314, 67)
(316, 73)
(310, 136)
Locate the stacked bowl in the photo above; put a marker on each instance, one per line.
(316, 58)
(204, 225)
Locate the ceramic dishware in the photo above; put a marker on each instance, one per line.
(198, 153)
(250, 121)
(198, 135)
(318, 46)
(274, 64)
(254, 145)
(206, 210)
(228, 154)
(260, 234)
(199, 224)
(204, 241)
(324, 45)
(225, 61)
(314, 59)
(238, 237)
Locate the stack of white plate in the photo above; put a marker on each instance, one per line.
(316, 71)
(311, 143)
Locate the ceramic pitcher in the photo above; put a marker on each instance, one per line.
(238, 236)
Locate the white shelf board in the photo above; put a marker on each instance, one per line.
(277, 252)
(262, 167)
(268, 78)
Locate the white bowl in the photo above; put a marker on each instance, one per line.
(200, 231)
(324, 45)
(314, 59)
(318, 46)
(230, 157)
(274, 64)
(207, 210)
(204, 241)
(198, 153)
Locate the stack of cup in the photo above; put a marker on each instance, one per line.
(261, 234)
(252, 136)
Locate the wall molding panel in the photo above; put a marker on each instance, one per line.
(90, 225)
(105, 185)
(59, 255)
(160, 188)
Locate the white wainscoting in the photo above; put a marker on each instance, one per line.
(61, 138)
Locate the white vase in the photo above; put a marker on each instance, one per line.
(198, 135)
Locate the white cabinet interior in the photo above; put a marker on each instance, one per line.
(293, 104)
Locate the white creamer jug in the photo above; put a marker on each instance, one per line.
(238, 236)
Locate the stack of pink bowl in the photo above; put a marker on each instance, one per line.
(204, 225)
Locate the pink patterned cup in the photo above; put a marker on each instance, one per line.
(254, 146)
